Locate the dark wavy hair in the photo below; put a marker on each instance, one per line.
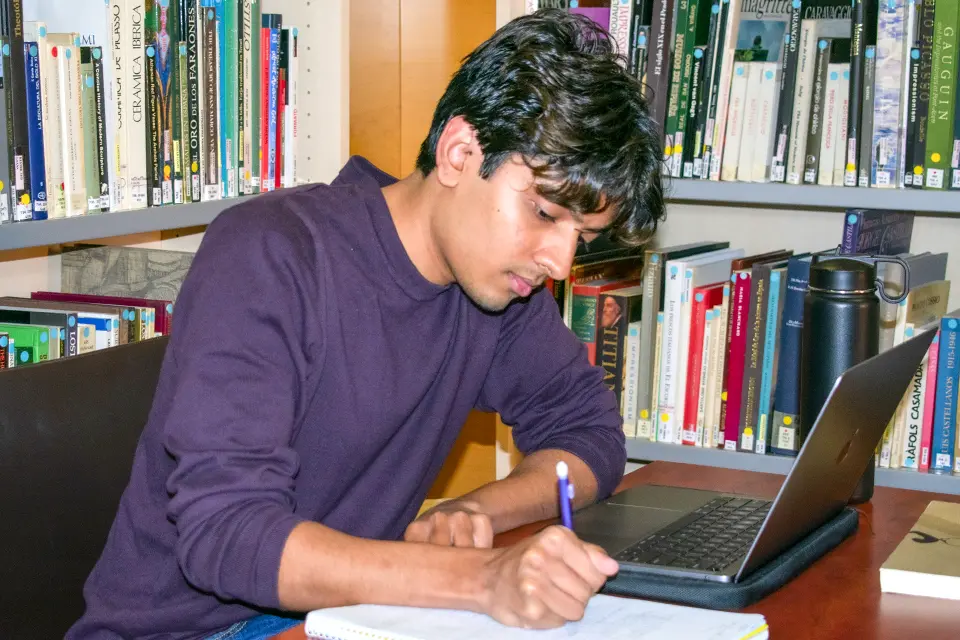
(552, 87)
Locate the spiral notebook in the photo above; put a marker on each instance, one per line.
(606, 617)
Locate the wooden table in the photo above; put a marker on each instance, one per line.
(839, 595)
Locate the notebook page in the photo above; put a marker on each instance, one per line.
(606, 617)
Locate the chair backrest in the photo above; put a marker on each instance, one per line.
(68, 432)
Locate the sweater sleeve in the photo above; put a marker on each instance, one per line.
(542, 384)
(244, 324)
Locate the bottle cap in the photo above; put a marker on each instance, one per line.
(843, 275)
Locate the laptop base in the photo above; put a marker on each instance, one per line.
(751, 588)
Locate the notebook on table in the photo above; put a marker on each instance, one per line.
(606, 617)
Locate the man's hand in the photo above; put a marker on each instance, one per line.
(546, 580)
(453, 523)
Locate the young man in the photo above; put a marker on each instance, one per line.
(330, 341)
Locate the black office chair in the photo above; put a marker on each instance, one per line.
(68, 431)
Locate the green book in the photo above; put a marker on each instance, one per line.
(943, 81)
(31, 343)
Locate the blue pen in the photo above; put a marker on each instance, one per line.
(566, 495)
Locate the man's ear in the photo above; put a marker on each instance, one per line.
(457, 151)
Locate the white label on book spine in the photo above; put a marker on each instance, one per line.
(157, 196)
(5, 208)
(786, 438)
(167, 192)
(195, 187)
(730, 445)
(211, 192)
(943, 461)
(955, 180)
(935, 178)
(178, 191)
(40, 205)
(883, 179)
(92, 203)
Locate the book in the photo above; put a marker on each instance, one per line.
(607, 617)
(927, 560)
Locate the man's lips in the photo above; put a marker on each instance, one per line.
(521, 286)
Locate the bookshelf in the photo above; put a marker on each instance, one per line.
(22, 235)
(768, 194)
(646, 451)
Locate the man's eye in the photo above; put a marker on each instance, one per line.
(544, 215)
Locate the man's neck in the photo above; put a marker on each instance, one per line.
(412, 202)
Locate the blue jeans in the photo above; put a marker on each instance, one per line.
(256, 628)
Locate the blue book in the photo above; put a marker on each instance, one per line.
(785, 439)
(876, 232)
(38, 171)
(945, 407)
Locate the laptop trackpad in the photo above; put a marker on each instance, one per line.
(627, 518)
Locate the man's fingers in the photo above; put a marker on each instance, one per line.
(565, 545)
(461, 529)
(440, 533)
(482, 531)
(603, 562)
(418, 531)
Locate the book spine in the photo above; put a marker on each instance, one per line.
(864, 166)
(52, 126)
(929, 404)
(788, 78)
(182, 128)
(70, 109)
(291, 124)
(753, 363)
(33, 82)
(676, 82)
(194, 97)
(857, 43)
(255, 84)
(658, 67)
(232, 97)
(945, 413)
(273, 95)
(138, 97)
(166, 39)
(803, 87)
(726, 69)
(925, 29)
(720, 372)
(5, 191)
(102, 139)
(887, 97)
(690, 134)
(811, 163)
(211, 162)
(652, 280)
(709, 75)
(686, 87)
(943, 85)
(691, 392)
(910, 135)
(18, 134)
(119, 121)
(153, 102)
(654, 409)
(732, 394)
(771, 344)
(88, 101)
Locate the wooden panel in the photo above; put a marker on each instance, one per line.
(375, 82)
(472, 462)
(435, 36)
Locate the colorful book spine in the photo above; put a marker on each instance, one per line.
(38, 182)
(887, 162)
(88, 101)
(945, 411)
(101, 120)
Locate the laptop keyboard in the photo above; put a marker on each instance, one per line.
(709, 538)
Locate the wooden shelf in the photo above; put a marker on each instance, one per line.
(39, 233)
(779, 195)
(646, 451)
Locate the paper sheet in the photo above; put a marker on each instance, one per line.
(606, 617)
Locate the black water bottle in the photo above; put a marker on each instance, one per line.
(841, 328)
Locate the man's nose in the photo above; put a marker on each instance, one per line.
(557, 258)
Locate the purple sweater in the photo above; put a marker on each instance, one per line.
(314, 374)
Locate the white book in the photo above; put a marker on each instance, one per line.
(136, 56)
(719, 128)
(705, 350)
(121, 192)
(765, 138)
(751, 115)
(289, 178)
(839, 162)
(631, 380)
(916, 406)
(807, 58)
(66, 51)
(831, 117)
(647, 429)
(50, 116)
(735, 118)
(92, 20)
(721, 363)
(683, 276)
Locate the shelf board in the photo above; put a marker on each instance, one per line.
(644, 450)
(38, 233)
(779, 195)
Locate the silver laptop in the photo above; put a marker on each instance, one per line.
(724, 537)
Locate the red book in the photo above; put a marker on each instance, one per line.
(739, 311)
(705, 298)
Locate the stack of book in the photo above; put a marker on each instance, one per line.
(701, 343)
(127, 104)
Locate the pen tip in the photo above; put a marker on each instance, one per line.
(562, 469)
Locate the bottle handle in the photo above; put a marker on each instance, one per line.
(906, 279)
(875, 259)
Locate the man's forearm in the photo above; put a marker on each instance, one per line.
(321, 567)
(529, 493)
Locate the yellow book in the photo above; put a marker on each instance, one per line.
(927, 560)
